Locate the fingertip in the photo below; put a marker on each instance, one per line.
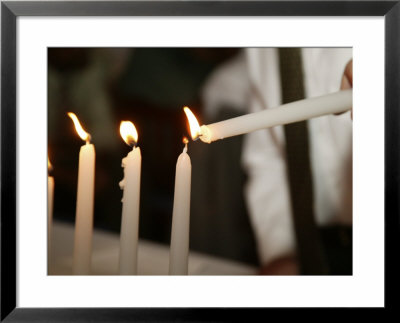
(345, 83)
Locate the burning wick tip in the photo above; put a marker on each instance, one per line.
(185, 141)
(88, 139)
(131, 142)
(197, 137)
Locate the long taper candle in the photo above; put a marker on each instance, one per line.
(179, 249)
(130, 201)
(288, 113)
(50, 198)
(179, 253)
(84, 204)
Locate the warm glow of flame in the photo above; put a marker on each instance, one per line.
(49, 165)
(128, 133)
(185, 140)
(82, 133)
(195, 131)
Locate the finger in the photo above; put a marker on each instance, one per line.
(347, 79)
(349, 72)
(345, 83)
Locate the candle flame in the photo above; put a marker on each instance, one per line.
(49, 165)
(128, 132)
(82, 133)
(195, 131)
(185, 140)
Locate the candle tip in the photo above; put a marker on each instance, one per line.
(206, 135)
(49, 166)
(130, 141)
(88, 139)
(185, 141)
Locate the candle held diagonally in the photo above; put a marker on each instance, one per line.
(84, 203)
(130, 201)
(288, 113)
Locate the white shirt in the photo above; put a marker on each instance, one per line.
(252, 80)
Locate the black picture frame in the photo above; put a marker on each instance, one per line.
(10, 11)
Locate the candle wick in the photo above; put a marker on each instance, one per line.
(132, 143)
(197, 136)
(88, 138)
(185, 149)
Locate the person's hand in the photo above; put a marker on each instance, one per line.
(347, 79)
(281, 266)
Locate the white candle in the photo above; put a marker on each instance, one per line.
(288, 113)
(84, 204)
(179, 252)
(50, 195)
(179, 249)
(130, 202)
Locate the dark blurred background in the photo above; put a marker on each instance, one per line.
(148, 86)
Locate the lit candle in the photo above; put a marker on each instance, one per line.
(84, 204)
(50, 195)
(179, 252)
(288, 113)
(130, 201)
